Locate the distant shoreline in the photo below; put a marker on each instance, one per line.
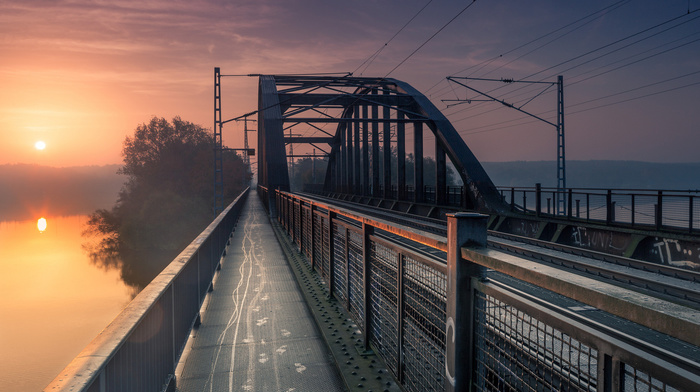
(28, 190)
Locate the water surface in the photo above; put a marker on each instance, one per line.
(53, 300)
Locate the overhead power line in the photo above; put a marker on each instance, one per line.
(486, 62)
(371, 58)
(430, 38)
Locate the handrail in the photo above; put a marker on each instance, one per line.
(662, 210)
(418, 313)
(140, 348)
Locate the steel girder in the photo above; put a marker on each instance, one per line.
(369, 114)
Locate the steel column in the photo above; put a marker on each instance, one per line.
(387, 150)
(440, 174)
(418, 162)
(218, 151)
(375, 148)
(365, 153)
(350, 157)
(401, 156)
(463, 229)
(356, 167)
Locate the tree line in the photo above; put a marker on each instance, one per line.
(166, 200)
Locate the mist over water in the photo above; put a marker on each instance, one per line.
(30, 191)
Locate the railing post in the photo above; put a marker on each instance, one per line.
(313, 239)
(401, 318)
(569, 204)
(609, 207)
(659, 210)
(578, 208)
(367, 231)
(462, 229)
(690, 213)
(331, 255)
(538, 199)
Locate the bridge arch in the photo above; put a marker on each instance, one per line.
(371, 117)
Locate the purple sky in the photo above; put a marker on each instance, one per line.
(81, 75)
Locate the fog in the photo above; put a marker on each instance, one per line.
(27, 191)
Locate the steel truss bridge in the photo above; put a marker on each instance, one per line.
(450, 288)
(369, 117)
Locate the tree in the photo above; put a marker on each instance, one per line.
(166, 200)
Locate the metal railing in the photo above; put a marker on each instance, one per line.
(423, 305)
(140, 348)
(639, 208)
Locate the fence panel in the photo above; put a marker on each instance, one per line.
(384, 299)
(519, 344)
(425, 307)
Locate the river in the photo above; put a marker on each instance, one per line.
(53, 300)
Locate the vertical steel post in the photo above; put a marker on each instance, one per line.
(347, 268)
(218, 151)
(375, 149)
(463, 229)
(350, 156)
(312, 230)
(690, 214)
(331, 255)
(365, 152)
(343, 166)
(367, 231)
(357, 175)
(401, 156)
(659, 210)
(538, 199)
(561, 152)
(400, 312)
(387, 149)
(418, 161)
(440, 175)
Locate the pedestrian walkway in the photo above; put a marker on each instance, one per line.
(257, 333)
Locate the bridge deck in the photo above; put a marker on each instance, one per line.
(257, 333)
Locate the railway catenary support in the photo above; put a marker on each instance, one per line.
(373, 118)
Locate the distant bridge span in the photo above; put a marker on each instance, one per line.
(370, 116)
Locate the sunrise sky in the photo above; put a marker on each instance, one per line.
(81, 75)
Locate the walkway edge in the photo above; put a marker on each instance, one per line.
(360, 371)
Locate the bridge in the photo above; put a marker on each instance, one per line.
(376, 280)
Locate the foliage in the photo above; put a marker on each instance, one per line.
(166, 200)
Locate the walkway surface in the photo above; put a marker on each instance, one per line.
(257, 333)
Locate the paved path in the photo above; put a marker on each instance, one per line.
(257, 333)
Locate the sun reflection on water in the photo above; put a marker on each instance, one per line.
(53, 299)
(41, 224)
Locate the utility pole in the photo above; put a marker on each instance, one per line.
(561, 152)
(291, 154)
(218, 152)
(246, 157)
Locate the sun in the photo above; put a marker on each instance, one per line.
(40, 145)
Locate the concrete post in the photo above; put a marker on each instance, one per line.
(463, 229)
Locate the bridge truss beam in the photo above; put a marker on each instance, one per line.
(367, 125)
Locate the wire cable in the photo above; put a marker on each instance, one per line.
(429, 39)
(371, 58)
